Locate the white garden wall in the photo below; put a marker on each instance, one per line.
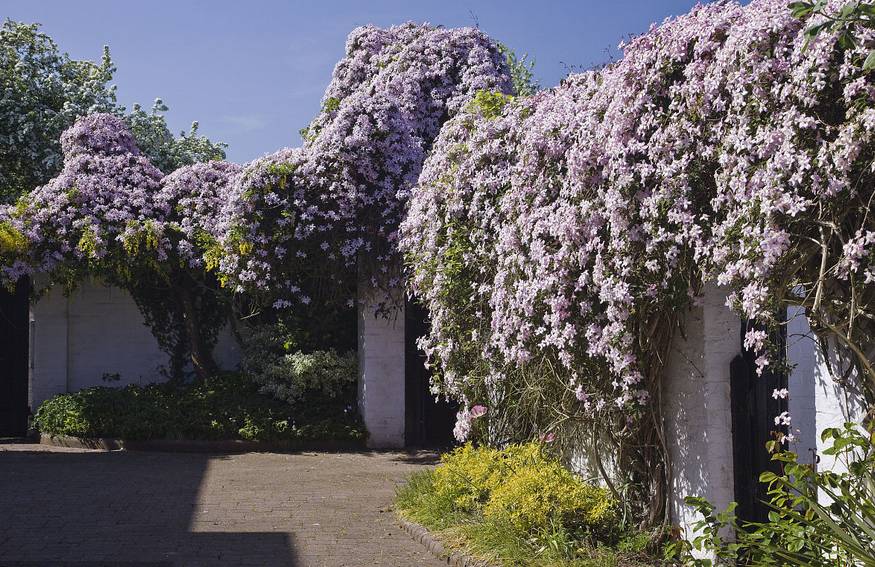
(381, 372)
(817, 399)
(95, 332)
(697, 402)
(696, 407)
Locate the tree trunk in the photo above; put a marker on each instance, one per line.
(201, 354)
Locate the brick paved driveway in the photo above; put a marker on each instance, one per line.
(86, 508)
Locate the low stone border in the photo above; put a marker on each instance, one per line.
(198, 446)
(436, 548)
(99, 443)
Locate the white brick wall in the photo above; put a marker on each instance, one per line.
(696, 402)
(835, 404)
(381, 373)
(696, 407)
(817, 401)
(97, 331)
(48, 348)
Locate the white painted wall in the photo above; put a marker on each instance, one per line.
(381, 372)
(697, 410)
(697, 398)
(96, 331)
(817, 399)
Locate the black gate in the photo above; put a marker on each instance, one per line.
(14, 342)
(429, 423)
(753, 424)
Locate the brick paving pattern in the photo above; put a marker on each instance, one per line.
(89, 508)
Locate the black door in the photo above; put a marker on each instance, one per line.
(14, 341)
(753, 424)
(429, 423)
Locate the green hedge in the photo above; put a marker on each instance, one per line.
(225, 407)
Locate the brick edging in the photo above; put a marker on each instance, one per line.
(198, 446)
(436, 548)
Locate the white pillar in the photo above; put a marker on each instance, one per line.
(381, 372)
(835, 404)
(697, 407)
(817, 400)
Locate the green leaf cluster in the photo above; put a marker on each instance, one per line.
(855, 12)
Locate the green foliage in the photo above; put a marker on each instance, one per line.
(519, 506)
(331, 104)
(818, 518)
(855, 12)
(223, 407)
(490, 104)
(296, 376)
(521, 72)
(42, 92)
(167, 152)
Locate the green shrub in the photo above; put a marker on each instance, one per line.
(274, 359)
(519, 506)
(297, 375)
(224, 407)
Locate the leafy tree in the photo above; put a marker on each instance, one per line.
(521, 72)
(42, 92)
(167, 152)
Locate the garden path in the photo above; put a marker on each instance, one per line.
(89, 508)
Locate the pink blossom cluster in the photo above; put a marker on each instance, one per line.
(109, 204)
(310, 214)
(193, 197)
(102, 197)
(718, 148)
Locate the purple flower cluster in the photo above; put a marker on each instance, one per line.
(575, 225)
(109, 205)
(104, 194)
(193, 196)
(342, 195)
(104, 134)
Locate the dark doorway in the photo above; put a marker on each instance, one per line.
(753, 424)
(14, 342)
(429, 423)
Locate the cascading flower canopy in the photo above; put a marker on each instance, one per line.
(111, 213)
(557, 240)
(101, 200)
(307, 215)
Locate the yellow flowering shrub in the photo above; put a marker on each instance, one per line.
(523, 487)
(12, 242)
(468, 475)
(544, 494)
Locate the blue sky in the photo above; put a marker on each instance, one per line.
(253, 73)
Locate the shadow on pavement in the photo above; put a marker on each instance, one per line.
(121, 509)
